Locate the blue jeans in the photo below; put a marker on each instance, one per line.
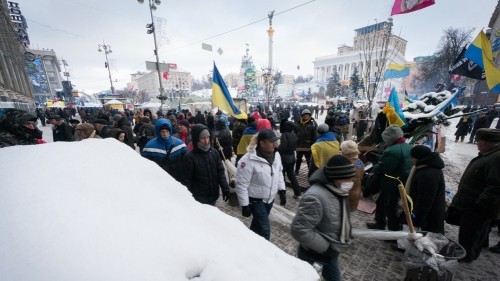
(260, 213)
(331, 270)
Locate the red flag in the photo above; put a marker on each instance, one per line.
(165, 75)
(408, 6)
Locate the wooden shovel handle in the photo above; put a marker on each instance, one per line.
(402, 193)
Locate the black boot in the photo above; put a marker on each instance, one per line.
(375, 225)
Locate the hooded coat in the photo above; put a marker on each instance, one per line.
(202, 171)
(124, 125)
(288, 142)
(223, 135)
(167, 153)
(427, 191)
(12, 129)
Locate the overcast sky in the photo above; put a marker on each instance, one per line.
(74, 28)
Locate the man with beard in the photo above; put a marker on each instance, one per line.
(258, 178)
(202, 169)
(18, 127)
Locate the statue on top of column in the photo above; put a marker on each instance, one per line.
(270, 16)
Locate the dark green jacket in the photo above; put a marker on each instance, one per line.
(394, 161)
(479, 187)
(306, 132)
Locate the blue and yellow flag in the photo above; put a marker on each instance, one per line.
(222, 98)
(396, 71)
(479, 51)
(392, 110)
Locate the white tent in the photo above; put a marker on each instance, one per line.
(113, 102)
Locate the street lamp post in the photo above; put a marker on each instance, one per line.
(151, 29)
(107, 50)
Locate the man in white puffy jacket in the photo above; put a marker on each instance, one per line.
(258, 179)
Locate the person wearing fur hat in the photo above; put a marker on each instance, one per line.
(322, 223)
(324, 148)
(85, 131)
(202, 170)
(165, 150)
(259, 178)
(426, 187)
(395, 161)
(478, 194)
(349, 149)
(18, 127)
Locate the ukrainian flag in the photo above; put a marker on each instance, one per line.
(396, 71)
(392, 110)
(222, 98)
(479, 51)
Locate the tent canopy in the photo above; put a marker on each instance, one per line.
(113, 101)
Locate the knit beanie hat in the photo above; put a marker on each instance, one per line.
(420, 152)
(184, 123)
(349, 148)
(117, 117)
(204, 133)
(323, 128)
(339, 168)
(391, 134)
(263, 124)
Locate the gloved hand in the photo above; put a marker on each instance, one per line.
(225, 195)
(245, 211)
(282, 194)
(330, 253)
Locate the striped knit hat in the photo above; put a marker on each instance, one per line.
(339, 168)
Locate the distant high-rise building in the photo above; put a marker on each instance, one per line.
(44, 70)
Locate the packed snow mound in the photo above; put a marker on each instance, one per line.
(96, 210)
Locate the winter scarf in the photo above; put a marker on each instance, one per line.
(345, 226)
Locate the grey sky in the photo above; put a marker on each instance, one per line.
(73, 28)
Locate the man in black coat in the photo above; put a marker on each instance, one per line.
(427, 189)
(481, 122)
(17, 127)
(478, 194)
(288, 144)
(202, 168)
(61, 131)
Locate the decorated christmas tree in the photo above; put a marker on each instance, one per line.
(247, 86)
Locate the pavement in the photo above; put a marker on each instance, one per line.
(366, 259)
(369, 259)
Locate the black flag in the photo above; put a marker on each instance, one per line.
(463, 66)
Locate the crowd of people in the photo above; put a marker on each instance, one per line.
(192, 147)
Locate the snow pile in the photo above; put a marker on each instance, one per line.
(96, 210)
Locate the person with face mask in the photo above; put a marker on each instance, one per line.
(202, 169)
(18, 127)
(395, 161)
(322, 224)
(165, 150)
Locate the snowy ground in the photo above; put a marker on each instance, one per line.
(96, 210)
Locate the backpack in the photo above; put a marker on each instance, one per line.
(343, 120)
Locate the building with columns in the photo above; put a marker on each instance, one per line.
(350, 57)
